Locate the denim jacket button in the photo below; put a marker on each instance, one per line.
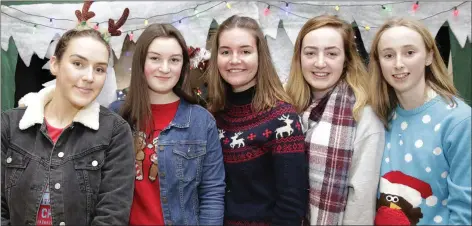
(62, 224)
(161, 148)
(60, 154)
(57, 186)
(163, 174)
(164, 199)
(9, 160)
(94, 163)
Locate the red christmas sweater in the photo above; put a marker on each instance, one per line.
(146, 208)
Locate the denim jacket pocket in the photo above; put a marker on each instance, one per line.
(188, 160)
(15, 165)
(88, 169)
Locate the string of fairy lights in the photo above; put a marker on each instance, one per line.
(201, 8)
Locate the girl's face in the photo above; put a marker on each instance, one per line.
(322, 59)
(82, 70)
(238, 59)
(163, 65)
(403, 58)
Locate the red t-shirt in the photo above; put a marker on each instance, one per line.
(44, 212)
(146, 208)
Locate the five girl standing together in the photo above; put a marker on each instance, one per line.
(339, 145)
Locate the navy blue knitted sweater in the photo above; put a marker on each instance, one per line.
(265, 162)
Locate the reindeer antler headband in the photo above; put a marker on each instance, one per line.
(113, 27)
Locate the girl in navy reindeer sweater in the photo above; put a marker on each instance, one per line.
(260, 133)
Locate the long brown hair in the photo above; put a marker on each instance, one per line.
(137, 107)
(384, 99)
(269, 89)
(354, 72)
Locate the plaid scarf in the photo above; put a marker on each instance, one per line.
(330, 138)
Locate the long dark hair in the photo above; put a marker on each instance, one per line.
(137, 107)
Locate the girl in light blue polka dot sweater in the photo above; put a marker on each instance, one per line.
(426, 165)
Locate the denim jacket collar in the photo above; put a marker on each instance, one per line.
(182, 117)
(35, 103)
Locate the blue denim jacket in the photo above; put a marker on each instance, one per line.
(191, 169)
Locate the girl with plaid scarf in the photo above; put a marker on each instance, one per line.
(344, 138)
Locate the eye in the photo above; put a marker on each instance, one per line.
(395, 199)
(388, 56)
(246, 52)
(410, 52)
(100, 70)
(226, 52)
(389, 198)
(309, 53)
(153, 58)
(175, 60)
(77, 64)
(332, 54)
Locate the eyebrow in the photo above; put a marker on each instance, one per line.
(83, 58)
(327, 48)
(405, 46)
(243, 46)
(180, 55)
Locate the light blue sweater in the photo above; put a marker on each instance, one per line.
(427, 163)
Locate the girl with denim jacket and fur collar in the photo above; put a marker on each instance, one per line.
(66, 159)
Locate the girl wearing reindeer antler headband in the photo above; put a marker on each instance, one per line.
(65, 159)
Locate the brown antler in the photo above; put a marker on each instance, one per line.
(113, 28)
(85, 14)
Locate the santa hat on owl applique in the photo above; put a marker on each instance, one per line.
(407, 187)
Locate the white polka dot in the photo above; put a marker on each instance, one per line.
(394, 116)
(419, 143)
(389, 145)
(428, 169)
(387, 160)
(404, 125)
(444, 202)
(437, 151)
(426, 119)
(436, 128)
(401, 142)
(449, 107)
(438, 219)
(431, 200)
(408, 157)
(444, 174)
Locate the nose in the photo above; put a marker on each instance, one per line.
(320, 62)
(164, 67)
(88, 77)
(399, 63)
(235, 59)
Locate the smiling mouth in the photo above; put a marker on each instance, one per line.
(401, 75)
(84, 90)
(320, 74)
(236, 70)
(162, 78)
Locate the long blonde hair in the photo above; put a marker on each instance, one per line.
(383, 97)
(269, 89)
(355, 73)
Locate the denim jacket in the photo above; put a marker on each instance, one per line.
(89, 170)
(191, 169)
